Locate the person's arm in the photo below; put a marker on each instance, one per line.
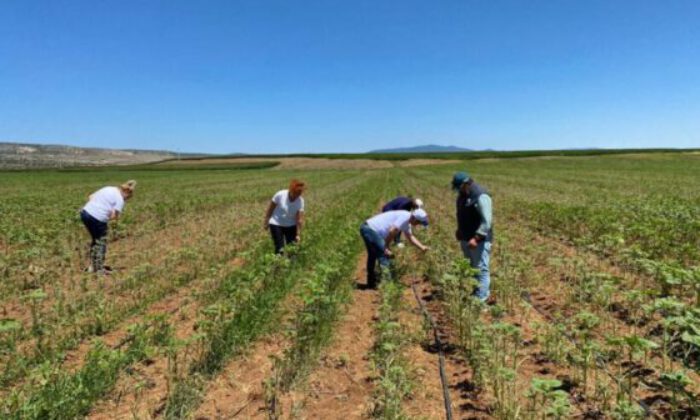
(484, 207)
(117, 208)
(268, 213)
(300, 224)
(485, 210)
(412, 239)
(389, 240)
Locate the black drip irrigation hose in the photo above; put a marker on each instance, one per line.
(441, 354)
(648, 412)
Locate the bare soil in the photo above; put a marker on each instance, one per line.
(296, 163)
(143, 390)
(427, 397)
(550, 298)
(468, 401)
(341, 386)
(239, 391)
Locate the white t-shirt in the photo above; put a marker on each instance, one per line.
(103, 202)
(383, 222)
(285, 213)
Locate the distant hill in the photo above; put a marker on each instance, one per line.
(22, 155)
(428, 148)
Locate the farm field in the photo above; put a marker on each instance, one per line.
(595, 268)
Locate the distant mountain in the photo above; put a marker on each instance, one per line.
(428, 148)
(22, 155)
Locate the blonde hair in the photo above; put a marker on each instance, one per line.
(128, 187)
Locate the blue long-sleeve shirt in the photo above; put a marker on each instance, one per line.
(484, 207)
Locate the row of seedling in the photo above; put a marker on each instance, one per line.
(323, 295)
(248, 304)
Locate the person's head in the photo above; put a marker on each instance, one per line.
(127, 189)
(296, 188)
(461, 182)
(419, 217)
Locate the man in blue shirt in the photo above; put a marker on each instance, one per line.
(402, 203)
(474, 229)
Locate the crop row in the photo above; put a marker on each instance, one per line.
(54, 232)
(249, 303)
(207, 264)
(591, 353)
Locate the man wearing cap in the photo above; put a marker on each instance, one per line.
(474, 228)
(379, 232)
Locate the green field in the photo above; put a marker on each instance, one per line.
(595, 267)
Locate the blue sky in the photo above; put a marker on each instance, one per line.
(349, 76)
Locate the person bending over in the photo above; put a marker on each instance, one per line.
(379, 232)
(285, 215)
(401, 202)
(103, 205)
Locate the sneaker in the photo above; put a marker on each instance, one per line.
(491, 300)
(89, 269)
(400, 245)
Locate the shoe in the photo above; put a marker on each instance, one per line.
(491, 300)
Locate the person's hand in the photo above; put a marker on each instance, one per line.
(473, 243)
(388, 252)
(425, 249)
(458, 235)
(298, 238)
(266, 225)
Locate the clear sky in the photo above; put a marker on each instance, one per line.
(349, 76)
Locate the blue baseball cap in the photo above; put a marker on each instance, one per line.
(458, 179)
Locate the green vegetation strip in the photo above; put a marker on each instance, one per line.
(394, 384)
(97, 314)
(324, 293)
(469, 155)
(64, 395)
(250, 304)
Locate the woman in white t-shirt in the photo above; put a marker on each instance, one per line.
(103, 205)
(285, 215)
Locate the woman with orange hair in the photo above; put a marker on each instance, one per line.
(285, 215)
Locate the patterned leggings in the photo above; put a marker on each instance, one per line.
(98, 246)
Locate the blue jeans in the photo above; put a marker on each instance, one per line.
(375, 252)
(479, 258)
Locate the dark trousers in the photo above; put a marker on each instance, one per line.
(98, 233)
(282, 235)
(375, 252)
